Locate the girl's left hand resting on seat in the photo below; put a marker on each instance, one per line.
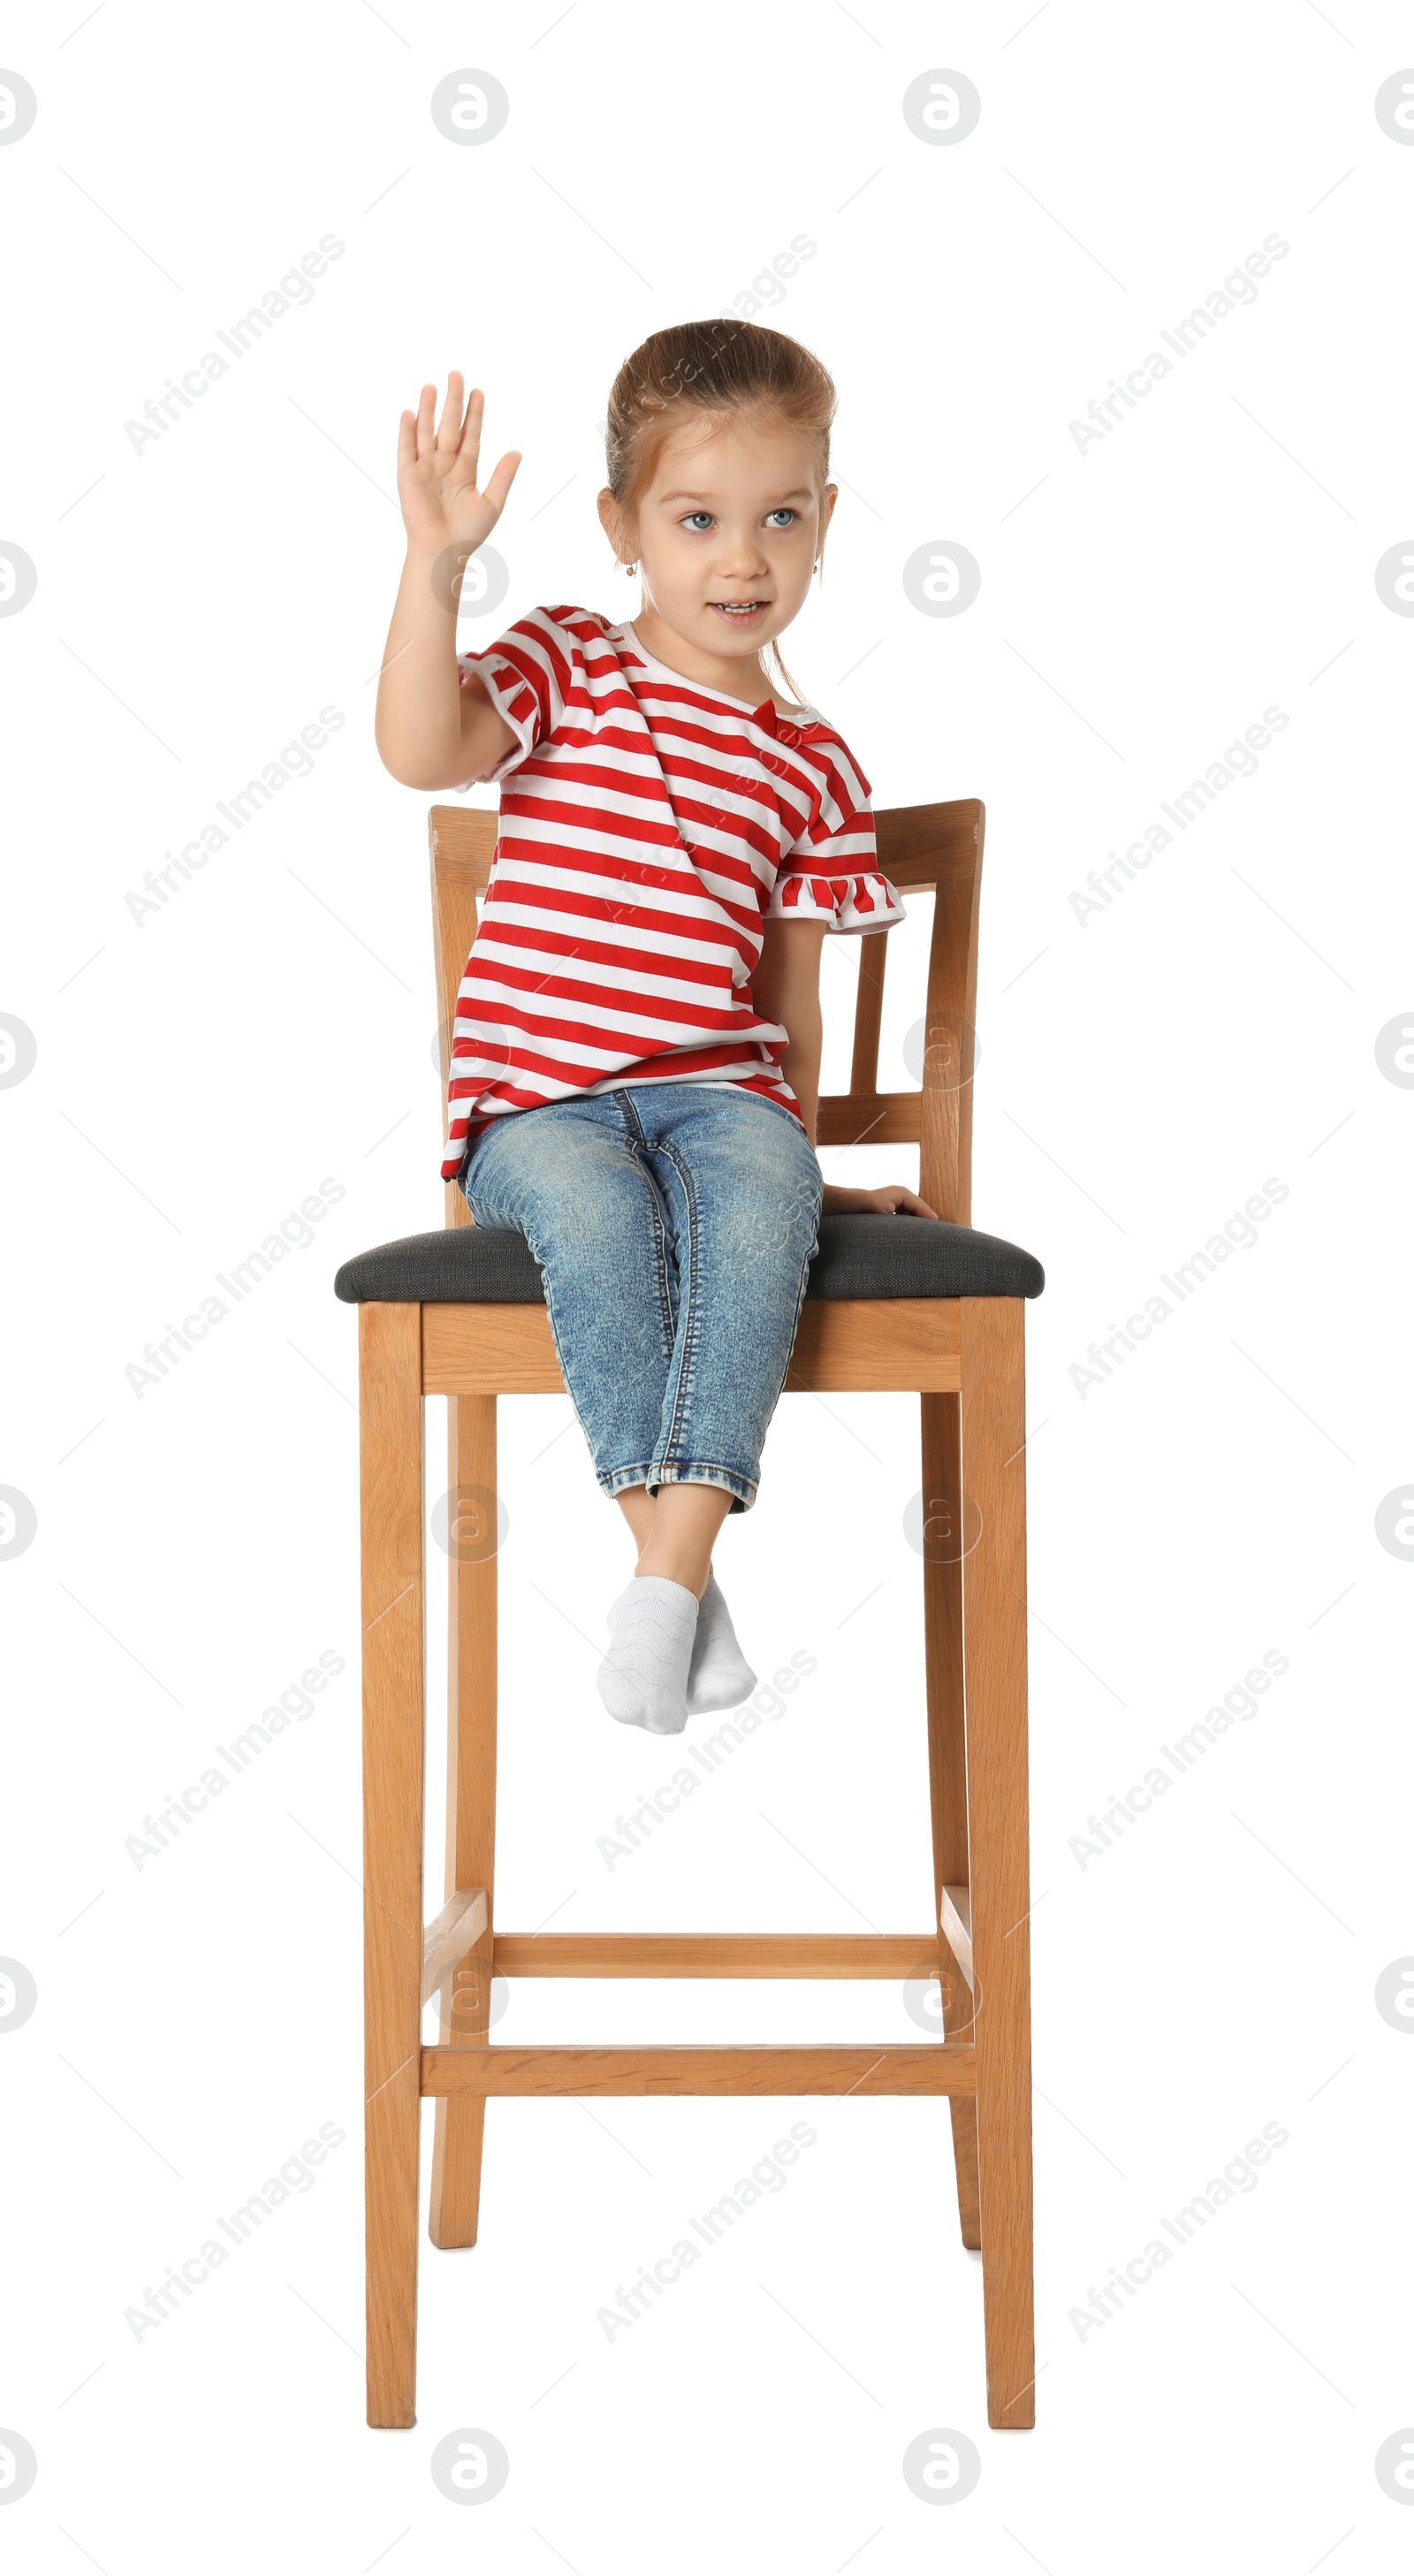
(893, 1201)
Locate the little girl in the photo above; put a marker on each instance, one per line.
(636, 1063)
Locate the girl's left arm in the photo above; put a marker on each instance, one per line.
(786, 987)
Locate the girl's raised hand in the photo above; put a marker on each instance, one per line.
(442, 503)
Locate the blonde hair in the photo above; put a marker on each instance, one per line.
(714, 369)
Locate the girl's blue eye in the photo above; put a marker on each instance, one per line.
(693, 518)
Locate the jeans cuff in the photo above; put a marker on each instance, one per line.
(741, 1488)
(617, 1480)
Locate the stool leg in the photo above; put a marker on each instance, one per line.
(994, 1660)
(947, 1767)
(390, 1480)
(471, 1801)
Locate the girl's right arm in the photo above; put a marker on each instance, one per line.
(431, 731)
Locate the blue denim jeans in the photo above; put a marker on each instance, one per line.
(675, 1223)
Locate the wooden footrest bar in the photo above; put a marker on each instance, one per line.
(714, 1954)
(936, 2067)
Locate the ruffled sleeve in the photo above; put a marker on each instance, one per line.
(527, 674)
(831, 873)
(864, 900)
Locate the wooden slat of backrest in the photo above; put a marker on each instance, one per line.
(920, 843)
(463, 844)
(868, 1012)
(870, 1118)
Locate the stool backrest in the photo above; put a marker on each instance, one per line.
(926, 848)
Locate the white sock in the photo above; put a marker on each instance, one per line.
(719, 1675)
(643, 1677)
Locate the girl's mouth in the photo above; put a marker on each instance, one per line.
(738, 612)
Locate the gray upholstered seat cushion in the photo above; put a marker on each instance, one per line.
(859, 1256)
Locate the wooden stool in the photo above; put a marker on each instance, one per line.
(893, 1303)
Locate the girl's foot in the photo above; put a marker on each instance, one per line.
(719, 1675)
(643, 1677)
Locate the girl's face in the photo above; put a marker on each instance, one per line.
(726, 538)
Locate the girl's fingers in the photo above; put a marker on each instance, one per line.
(503, 478)
(471, 430)
(450, 426)
(455, 440)
(895, 1201)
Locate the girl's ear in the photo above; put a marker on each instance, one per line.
(611, 520)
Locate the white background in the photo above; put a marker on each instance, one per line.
(1213, 1499)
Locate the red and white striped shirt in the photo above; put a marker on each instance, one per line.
(649, 826)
